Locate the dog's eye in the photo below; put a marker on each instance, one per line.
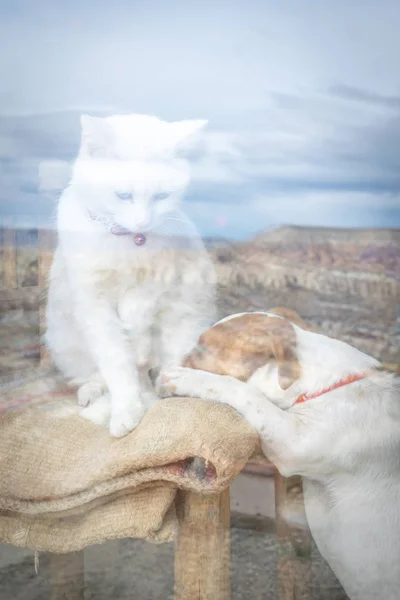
(161, 196)
(124, 195)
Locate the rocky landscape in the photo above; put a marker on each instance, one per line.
(346, 282)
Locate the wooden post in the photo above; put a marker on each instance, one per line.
(67, 576)
(46, 247)
(10, 273)
(202, 548)
(294, 567)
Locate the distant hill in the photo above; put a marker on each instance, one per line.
(346, 281)
(362, 250)
(290, 234)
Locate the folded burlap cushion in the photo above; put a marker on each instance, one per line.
(65, 483)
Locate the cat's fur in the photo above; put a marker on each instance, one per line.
(114, 306)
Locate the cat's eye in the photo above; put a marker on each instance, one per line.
(161, 196)
(124, 195)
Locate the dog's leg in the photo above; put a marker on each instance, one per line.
(281, 433)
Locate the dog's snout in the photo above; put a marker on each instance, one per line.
(195, 355)
(153, 374)
(199, 350)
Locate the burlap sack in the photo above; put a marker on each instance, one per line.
(65, 483)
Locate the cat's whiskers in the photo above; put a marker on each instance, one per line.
(163, 232)
(175, 219)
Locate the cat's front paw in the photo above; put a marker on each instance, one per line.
(182, 381)
(90, 391)
(123, 421)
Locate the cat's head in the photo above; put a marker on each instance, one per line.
(132, 168)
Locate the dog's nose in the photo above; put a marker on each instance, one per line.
(199, 351)
(153, 374)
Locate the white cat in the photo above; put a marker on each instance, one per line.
(130, 284)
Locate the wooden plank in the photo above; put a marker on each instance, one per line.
(46, 250)
(392, 367)
(47, 241)
(202, 547)
(261, 467)
(294, 561)
(67, 576)
(9, 255)
(17, 298)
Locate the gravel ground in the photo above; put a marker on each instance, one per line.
(135, 569)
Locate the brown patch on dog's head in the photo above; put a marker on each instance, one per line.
(240, 346)
(291, 315)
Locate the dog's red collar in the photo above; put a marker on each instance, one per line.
(335, 386)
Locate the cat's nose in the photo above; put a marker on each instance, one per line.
(142, 224)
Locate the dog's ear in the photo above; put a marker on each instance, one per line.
(292, 316)
(240, 346)
(248, 342)
(283, 345)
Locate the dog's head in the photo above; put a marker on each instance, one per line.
(241, 345)
(279, 352)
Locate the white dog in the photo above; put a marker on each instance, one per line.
(327, 412)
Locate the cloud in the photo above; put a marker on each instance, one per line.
(311, 208)
(301, 104)
(54, 176)
(349, 92)
(326, 174)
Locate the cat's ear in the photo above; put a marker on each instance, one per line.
(186, 135)
(97, 137)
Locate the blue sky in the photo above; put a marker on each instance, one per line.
(303, 101)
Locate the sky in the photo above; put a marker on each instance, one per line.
(302, 98)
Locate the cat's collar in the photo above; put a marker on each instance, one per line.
(116, 228)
